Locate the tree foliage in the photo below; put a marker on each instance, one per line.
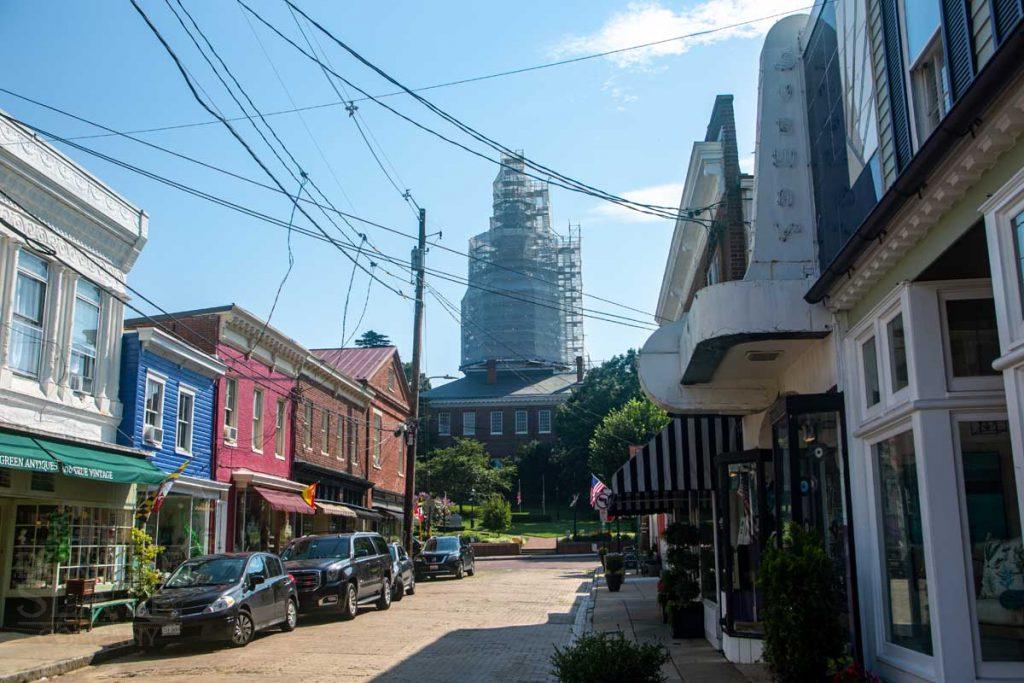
(496, 514)
(424, 381)
(461, 469)
(533, 461)
(371, 338)
(633, 423)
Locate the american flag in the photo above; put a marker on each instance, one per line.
(596, 487)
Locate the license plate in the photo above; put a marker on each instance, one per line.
(170, 630)
(432, 567)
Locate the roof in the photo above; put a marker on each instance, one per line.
(357, 362)
(522, 384)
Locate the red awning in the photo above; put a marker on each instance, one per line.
(284, 501)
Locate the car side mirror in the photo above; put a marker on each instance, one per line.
(254, 580)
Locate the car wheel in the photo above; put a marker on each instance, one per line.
(349, 603)
(291, 616)
(244, 629)
(459, 571)
(472, 568)
(397, 590)
(384, 601)
(412, 585)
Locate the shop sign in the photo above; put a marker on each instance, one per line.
(88, 472)
(24, 463)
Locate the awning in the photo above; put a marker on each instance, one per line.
(335, 509)
(678, 460)
(389, 513)
(284, 501)
(365, 513)
(19, 451)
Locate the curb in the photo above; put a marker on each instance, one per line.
(64, 666)
(584, 621)
(524, 556)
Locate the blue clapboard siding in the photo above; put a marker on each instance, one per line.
(135, 361)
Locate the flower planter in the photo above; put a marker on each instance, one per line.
(614, 581)
(688, 622)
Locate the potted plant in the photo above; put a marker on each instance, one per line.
(608, 657)
(680, 596)
(614, 571)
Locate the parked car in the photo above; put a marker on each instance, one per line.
(404, 581)
(340, 572)
(445, 555)
(218, 597)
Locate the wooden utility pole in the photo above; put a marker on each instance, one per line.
(417, 353)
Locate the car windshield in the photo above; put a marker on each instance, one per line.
(332, 547)
(444, 544)
(207, 571)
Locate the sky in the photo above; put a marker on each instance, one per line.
(624, 123)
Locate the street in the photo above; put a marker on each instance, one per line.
(498, 625)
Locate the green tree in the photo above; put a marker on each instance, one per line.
(496, 514)
(371, 338)
(633, 423)
(605, 388)
(424, 380)
(533, 462)
(461, 469)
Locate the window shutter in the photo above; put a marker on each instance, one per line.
(956, 38)
(897, 84)
(1005, 15)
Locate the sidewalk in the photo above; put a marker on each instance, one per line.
(634, 611)
(26, 657)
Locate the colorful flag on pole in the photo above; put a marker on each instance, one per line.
(596, 488)
(417, 512)
(154, 499)
(519, 495)
(309, 495)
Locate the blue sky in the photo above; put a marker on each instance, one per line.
(624, 124)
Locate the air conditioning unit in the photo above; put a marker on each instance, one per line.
(152, 434)
(230, 433)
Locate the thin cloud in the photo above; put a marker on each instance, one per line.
(645, 22)
(660, 195)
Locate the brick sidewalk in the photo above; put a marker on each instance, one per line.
(27, 657)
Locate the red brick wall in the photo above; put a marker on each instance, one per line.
(498, 446)
(347, 415)
(393, 407)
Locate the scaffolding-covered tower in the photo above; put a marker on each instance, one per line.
(524, 305)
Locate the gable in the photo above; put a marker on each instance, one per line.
(400, 393)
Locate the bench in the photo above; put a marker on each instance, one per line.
(97, 608)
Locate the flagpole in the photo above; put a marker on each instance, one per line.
(543, 494)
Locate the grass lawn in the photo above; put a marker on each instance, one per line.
(522, 526)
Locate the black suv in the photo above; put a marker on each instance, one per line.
(340, 572)
(445, 555)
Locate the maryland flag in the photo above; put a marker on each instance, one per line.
(309, 495)
(154, 499)
(417, 512)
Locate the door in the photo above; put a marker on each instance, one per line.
(261, 592)
(366, 567)
(279, 585)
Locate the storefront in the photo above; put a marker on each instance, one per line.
(268, 511)
(338, 495)
(66, 512)
(191, 521)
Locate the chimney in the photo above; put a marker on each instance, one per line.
(492, 371)
(579, 368)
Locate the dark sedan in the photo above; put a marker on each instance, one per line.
(218, 597)
(402, 570)
(445, 555)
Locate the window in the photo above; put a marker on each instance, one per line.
(186, 410)
(363, 547)
(905, 582)
(307, 425)
(5, 478)
(897, 352)
(496, 422)
(1018, 243)
(26, 340)
(43, 481)
(928, 89)
(994, 533)
(469, 424)
(257, 420)
(522, 422)
(84, 334)
(353, 441)
(973, 338)
(444, 424)
(544, 421)
(401, 460)
(921, 19)
(279, 430)
(339, 439)
(377, 435)
(256, 567)
(869, 364)
(392, 380)
(231, 409)
(325, 432)
(153, 416)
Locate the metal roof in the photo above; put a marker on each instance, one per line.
(358, 363)
(514, 385)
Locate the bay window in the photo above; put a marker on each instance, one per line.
(26, 334)
(84, 333)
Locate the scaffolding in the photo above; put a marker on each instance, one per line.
(524, 306)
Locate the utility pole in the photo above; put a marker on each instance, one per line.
(417, 353)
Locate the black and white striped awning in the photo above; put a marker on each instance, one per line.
(679, 459)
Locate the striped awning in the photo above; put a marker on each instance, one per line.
(678, 460)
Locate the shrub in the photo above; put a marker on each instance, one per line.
(143, 577)
(608, 658)
(614, 563)
(496, 513)
(803, 629)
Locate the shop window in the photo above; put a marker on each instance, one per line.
(325, 432)
(153, 417)
(469, 424)
(26, 339)
(231, 410)
(544, 421)
(869, 364)
(84, 332)
(497, 426)
(522, 424)
(257, 420)
(444, 424)
(994, 537)
(897, 340)
(43, 481)
(904, 578)
(186, 415)
(279, 429)
(972, 337)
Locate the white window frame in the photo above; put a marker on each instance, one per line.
(523, 415)
(469, 423)
(281, 429)
(231, 407)
(325, 432)
(499, 417)
(353, 440)
(257, 420)
(444, 423)
(541, 414)
(911, 72)
(965, 292)
(185, 390)
(876, 324)
(377, 438)
(339, 438)
(47, 283)
(158, 422)
(888, 376)
(79, 299)
(307, 425)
